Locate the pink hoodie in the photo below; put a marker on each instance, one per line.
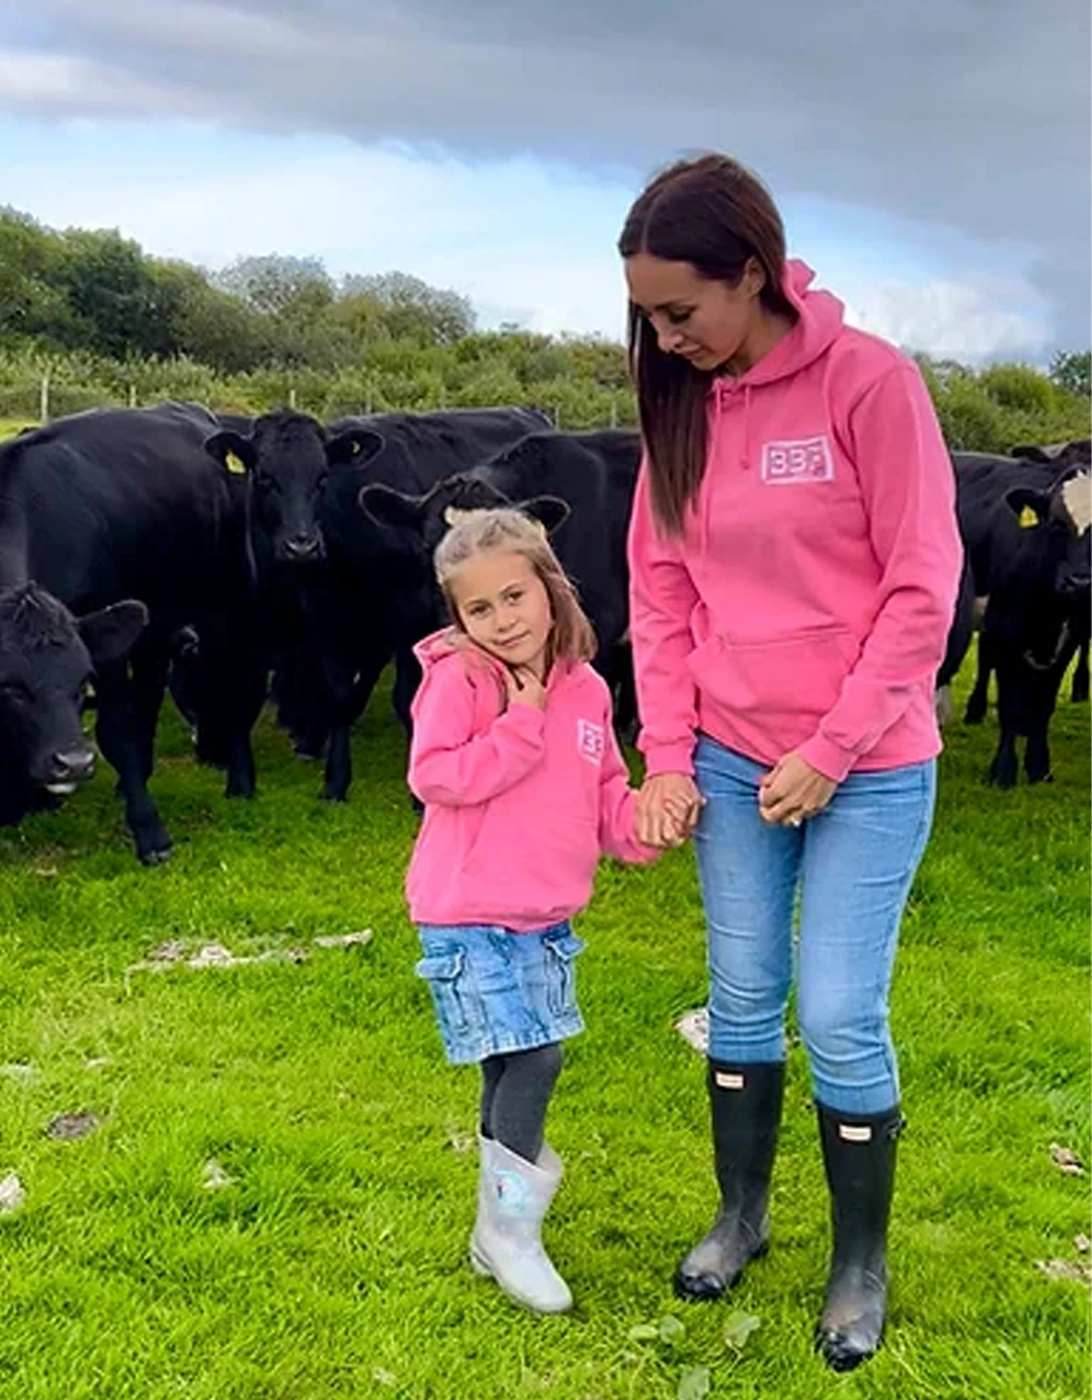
(807, 604)
(519, 802)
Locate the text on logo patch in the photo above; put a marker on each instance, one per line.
(808, 459)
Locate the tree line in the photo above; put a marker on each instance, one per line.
(88, 318)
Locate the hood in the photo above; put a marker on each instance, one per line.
(820, 318)
(485, 675)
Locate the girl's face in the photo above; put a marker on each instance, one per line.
(504, 607)
(706, 322)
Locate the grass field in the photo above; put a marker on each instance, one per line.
(329, 1261)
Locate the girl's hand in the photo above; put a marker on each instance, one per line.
(524, 687)
(792, 791)
(667, 809)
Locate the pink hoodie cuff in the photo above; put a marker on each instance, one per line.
(826, 758)
(670, 758)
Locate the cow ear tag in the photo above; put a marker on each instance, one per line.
(1028, 519)
(234, 463)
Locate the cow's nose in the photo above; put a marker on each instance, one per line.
(303, 546)
(71, 766)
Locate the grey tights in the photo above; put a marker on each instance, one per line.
(516, 1091)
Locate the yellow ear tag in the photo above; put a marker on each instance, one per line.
(1028, 519)
(234, 463)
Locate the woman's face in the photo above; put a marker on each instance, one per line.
(706, 322)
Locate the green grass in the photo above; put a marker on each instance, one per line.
(334, 1266)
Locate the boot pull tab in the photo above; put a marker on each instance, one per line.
(863, 1132)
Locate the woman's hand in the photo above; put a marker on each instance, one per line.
(668, 807)
(792, 791)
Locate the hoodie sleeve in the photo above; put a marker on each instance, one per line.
(618, 806)
(450, 766)
(908, 488)
(662, 598)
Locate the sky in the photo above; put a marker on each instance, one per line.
(931, 161)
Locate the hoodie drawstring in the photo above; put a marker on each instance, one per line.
(745, 460)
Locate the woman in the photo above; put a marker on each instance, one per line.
(795, 560)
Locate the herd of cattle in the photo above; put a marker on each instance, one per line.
(234, 559)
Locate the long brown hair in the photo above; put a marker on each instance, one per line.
(510, 531)
(714, 214)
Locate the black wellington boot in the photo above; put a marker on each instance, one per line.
(859, 1157)
(745, 1102)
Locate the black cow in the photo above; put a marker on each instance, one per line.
(47, 657)
(579, 484)
(1025, 526)
(341, 593)
(1059, 455)
(122, 504)
(959, 641)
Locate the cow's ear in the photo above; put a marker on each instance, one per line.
(234, 452)
(386, 506)
(549, 511)
(353, 447)
(109, 634)
(1030, 452)
(1030, 507)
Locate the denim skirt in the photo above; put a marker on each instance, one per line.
(495, 991)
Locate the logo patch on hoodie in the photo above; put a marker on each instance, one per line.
(806, 459)
(589, 739)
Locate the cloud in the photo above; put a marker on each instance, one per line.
(968, 114)
(969, 322)
(528, 242)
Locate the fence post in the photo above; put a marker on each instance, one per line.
(292, 397)
(43, 399)
(613, 412)
(132, 396)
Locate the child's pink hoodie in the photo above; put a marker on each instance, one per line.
(519, 802)
(807, 604)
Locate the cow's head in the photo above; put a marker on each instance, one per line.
(1075, 453)
(430, 516)
(1059, 522)
(287, 460)
(46, 660)
(427, 518)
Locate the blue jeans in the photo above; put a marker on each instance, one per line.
(853, 865)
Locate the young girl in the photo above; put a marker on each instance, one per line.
(515, 760)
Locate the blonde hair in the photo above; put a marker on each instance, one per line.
(509, 531)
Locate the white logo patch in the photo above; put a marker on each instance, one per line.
(590, 739)
(807, 459)
(1077, 498)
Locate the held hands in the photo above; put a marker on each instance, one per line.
(668, 807)
(792, 791)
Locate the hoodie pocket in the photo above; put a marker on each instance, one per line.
(782, 685)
